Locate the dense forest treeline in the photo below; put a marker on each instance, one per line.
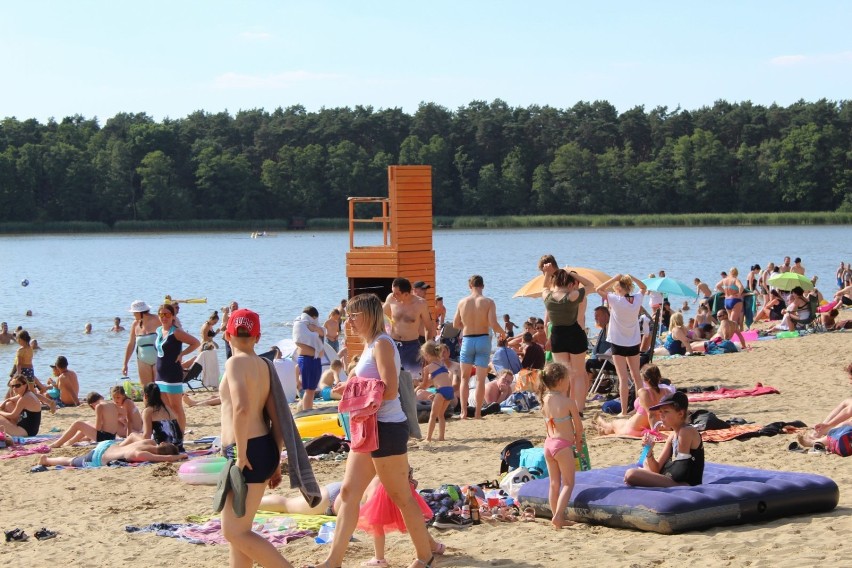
(486, 158)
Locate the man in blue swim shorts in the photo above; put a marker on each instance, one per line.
(476, 315)
(130, 449)
(309, 337)
(408, 314)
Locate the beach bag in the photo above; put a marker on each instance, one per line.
(326, 444)
(514, 480)
(510, 456)
(533, 460)
(839, 441)
(704, 420)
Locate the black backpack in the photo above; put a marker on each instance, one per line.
(510, 457)
(326, 444)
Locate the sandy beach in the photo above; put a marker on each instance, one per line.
(90, 508)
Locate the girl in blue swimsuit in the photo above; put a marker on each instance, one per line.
(436, 373)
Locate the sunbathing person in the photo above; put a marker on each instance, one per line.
(726, 332)
(798, 310)
(500, 388)
(839, 417)
(330, 378)
(106, 424)
(128, 415)
(130, 450)
(159, 423)
(650, 394)
(677, 342)
(21, 412)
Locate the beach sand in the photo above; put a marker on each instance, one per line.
(90, 508)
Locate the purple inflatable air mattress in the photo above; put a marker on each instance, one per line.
(730, 495)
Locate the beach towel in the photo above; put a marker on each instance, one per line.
(303, 335)
(20, 451)
(723, 392)
(748, 431)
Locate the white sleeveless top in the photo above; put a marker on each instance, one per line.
(390, 410)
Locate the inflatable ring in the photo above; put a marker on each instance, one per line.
(202, 471)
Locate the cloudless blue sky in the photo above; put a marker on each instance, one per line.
(170, 58)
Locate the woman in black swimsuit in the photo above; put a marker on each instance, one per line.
(158, 422)
(169, 343)
(210, 329)
(22, 411)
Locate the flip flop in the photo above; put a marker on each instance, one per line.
(44, 534)
(795, 447)
(16, 535)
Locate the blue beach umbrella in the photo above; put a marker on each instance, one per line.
(671, 286)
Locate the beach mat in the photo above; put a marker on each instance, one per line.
(722, 393)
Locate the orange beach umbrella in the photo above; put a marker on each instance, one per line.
(532, 289)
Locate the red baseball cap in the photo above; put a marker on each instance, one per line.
(245, 319)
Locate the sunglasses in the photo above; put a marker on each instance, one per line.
(17, 385)
(164, 314)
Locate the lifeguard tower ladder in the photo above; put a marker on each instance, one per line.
(406, 249)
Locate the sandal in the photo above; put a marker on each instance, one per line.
(44, 534)
(529, 515)
(16, 535)
(375, 563)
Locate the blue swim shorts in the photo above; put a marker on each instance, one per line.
(475, 350)
(310, 369)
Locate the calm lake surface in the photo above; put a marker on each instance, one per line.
(94, 278)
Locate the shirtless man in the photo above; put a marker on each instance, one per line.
(131, 450)
(223, 325)
(440, 312)
(408, 314)
(66, 381)
(105, 427)
(6, 338)
(797, 266)
(704, 293)
(116, 326)
(786, 266)
(727, 330)
(419, 290)
(475, 316)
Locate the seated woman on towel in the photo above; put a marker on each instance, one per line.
(21, 411)
(650, 394)
(678, 341)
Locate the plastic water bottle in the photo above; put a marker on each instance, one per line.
(326, 533)
(646, 448)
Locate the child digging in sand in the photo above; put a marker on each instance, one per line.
(436, 373)
(564, 430)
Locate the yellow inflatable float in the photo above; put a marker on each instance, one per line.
(318, 424)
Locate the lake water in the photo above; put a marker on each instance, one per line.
(93, 278)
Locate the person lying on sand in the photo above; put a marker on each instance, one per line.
(132, 450)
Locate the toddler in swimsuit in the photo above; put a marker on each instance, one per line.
(436, 374)
(564, 429)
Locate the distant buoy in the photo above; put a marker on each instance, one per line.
(25, 282)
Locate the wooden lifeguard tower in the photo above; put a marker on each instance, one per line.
(406, 250)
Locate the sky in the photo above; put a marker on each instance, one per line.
(97, 58)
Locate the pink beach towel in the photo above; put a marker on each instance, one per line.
(21, 451)
(723, 392)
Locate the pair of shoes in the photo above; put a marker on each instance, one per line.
(16, 535)
(795, 447)
(819, 448)
(451, 521)
(375, 563)
(44, 534)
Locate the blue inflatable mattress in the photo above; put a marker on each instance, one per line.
(730, 495)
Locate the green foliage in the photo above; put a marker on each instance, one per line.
(487, 159)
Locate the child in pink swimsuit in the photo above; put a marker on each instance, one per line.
(564, 429)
